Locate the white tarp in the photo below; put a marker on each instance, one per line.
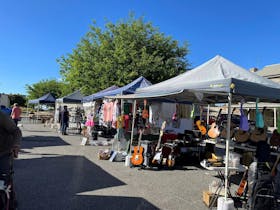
(211, 82)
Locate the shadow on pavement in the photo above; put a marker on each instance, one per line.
(30, 142)
(53, 183)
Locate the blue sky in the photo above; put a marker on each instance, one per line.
(34, 33)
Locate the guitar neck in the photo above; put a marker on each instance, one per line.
(161, 134)
(140, 137)
(159, 139)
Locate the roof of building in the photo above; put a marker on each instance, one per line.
(270, 71)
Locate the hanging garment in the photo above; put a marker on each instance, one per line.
(108, 111)
(101, 115)
(90, 121)
(154, 110)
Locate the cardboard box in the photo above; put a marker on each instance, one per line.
(207, 197)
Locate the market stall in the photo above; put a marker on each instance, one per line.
(74, 105)
(107, 113)
(216, 81)
(47, 99)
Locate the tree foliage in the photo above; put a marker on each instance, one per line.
(58, 89)
(120, 53)
(17, 98)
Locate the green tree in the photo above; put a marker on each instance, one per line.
(58, 89)
(120, 53)
(17, 98)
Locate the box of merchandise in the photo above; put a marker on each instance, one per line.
(207, 198)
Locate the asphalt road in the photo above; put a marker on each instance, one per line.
(54, 172)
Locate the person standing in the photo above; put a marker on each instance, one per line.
(10, 139)
(64, 120)
(16, 113)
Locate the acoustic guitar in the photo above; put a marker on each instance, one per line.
(201, 127)
(158, 151)
(171, 159)
(243, 184)
(243, 134)
(145, 112)
(137, 156)
(224, 129)
(214, 131)
(259, 133)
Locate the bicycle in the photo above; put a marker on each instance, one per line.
(7, 193)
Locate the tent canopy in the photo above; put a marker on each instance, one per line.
(45, 99)
(74, 97)
(93, 96)
(211, 82)
(127, 89)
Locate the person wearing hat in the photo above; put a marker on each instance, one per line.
(16, 112)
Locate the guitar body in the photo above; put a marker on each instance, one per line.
(224, 132)
(241, 136)
(137, 157)
(145, 112)
(259, 134)
(213, 131)
(157, 158)
(171, 160)
(201, 127)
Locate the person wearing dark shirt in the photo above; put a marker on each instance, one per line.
(64, 120)
(6, 110)
(10, 138)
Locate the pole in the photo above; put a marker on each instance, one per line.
(133, 123)
(38, 108)
(208, 114)
(227, 144)
(274, 118)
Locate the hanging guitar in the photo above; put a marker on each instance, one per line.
(201, 127)
(259, 133)
(137, 156)
(158, 151)
(243, 134)
(145, 112)
(224, 129)
(214, 131)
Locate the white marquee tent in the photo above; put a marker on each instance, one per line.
(216, 81)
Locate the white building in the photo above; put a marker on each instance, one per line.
(4, 100)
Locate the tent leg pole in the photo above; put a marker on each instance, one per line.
(38, 112)
(227, 145)
(274, 118)
(27, 113)
(208, 114)
(133, 124)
